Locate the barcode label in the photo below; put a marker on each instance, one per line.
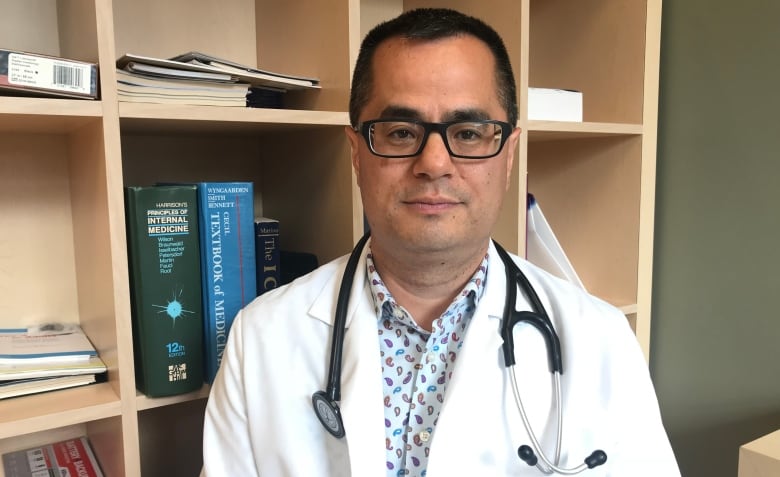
(68, 76)
(36, 460)
(49, 73)
(177, 372)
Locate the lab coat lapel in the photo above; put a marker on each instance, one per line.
(361, 374)
(482, 341)
(362, 396)
(478, 370)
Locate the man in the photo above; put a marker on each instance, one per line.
(424, 390)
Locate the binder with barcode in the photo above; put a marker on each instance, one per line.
(32, 74)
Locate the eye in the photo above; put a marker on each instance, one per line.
(400, 132)
(468, 132)
(468, 135)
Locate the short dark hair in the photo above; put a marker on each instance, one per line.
(431, 24)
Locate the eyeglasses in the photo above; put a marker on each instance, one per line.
(396, 138)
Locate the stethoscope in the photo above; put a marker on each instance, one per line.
(326, 405)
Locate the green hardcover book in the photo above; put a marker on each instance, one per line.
(165, 288)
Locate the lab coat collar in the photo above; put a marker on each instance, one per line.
(324, 305)
(492, 302)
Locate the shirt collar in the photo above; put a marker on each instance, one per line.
(474, 289)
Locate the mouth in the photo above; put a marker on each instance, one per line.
(432, 204)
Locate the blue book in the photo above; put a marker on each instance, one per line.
(227, 260)
(267, 254)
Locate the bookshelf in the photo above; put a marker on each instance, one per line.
(63, 164)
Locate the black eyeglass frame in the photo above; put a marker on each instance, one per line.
(364, 129)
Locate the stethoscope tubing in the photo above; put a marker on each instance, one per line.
(545, 466)
(538, 318)
(326, 403)
(333, 389)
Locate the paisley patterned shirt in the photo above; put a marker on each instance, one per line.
(416, 367)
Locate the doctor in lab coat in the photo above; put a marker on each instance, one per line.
(430, 216)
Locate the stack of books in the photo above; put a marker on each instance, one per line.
(45, 358)
(198, 79)
(197, 254)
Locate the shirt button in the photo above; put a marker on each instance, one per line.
(418, 366)
(425, 436)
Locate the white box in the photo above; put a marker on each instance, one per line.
(547, 104)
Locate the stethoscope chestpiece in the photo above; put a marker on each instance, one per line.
(328, 413)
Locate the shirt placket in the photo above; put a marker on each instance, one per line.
(428, 394)
(416, 366)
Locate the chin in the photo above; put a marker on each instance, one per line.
(434, 240)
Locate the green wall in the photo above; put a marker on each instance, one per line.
(716, 291)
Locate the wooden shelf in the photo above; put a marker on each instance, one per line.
(143, 117)
(560, 130)
(144, 403)
(46, 115)
(51, 410)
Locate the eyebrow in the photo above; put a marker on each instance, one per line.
(403, 112)
(400, 112)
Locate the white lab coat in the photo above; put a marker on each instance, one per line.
(260, 422)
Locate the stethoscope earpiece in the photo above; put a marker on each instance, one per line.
(597, 458)
(527, 455)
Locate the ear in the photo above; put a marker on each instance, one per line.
(354, 142)
(511, 151)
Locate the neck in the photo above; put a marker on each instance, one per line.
(426, 284)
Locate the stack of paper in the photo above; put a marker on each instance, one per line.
(246, 74)
(198, 79)
(45, 358)
(147, 80)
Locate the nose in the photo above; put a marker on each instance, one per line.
(434, 160)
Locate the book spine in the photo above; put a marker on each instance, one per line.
(165, 288)
(228, 261)
(267, 253)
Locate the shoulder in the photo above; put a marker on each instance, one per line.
(566, 302)
(289, 303)
(306, 286)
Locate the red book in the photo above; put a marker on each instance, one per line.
(72, 457)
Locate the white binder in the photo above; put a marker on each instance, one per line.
(543, 249)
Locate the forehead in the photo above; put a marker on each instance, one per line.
(434, 77)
